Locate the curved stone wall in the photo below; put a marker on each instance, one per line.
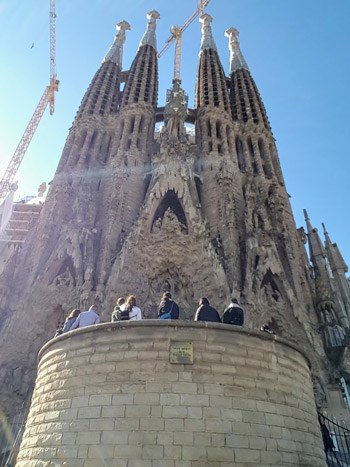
(108, 395)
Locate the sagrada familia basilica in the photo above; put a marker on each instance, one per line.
(140, 208)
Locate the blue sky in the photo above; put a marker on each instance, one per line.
(297, 51)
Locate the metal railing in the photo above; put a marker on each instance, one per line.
(11, 436)
(336, 440)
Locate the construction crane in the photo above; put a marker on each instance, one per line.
(176, 35)
(48, 97)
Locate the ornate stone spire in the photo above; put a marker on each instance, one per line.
(315, 243)
(335, 257)
(103, 95)
(207, 36)
(246, 102)
(149, 37)
(307, 220)
(175, 110)
(142, 82)
(115, 53)
(326, 301)
(339, 268)
(236, 58)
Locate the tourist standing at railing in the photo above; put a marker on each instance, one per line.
(168, 308)
(71, 318)
(205, 312)
(119, 313)
(86, 318)
(233, 314)
(134, 312)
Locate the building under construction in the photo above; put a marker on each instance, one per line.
(137, 209)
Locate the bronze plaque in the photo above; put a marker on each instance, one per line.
(181, 352)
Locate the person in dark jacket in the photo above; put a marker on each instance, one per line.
(205, 312)
(168, 308)
(119, 313)
(233, 314)
(327, 440)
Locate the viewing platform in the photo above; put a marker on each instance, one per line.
(158, 393)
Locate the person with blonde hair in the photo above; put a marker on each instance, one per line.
(133, 310)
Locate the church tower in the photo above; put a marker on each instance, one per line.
(169, 247)
(125, 185)
(221, 193)
(56, 269)
(273, 277)
(134, 209)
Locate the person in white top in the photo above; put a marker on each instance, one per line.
(86, 318)
(134, 311)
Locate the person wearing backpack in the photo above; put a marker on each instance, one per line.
(233, 314)
(119, 313)
(168, 308)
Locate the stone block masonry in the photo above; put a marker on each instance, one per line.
(108, 395)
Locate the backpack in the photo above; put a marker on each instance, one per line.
(119, 315)
(123, 315)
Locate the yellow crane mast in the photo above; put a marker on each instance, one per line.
(48, 97)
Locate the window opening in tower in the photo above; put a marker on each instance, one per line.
(252, 156)
(209, 127)
(218, 130)
(240, 154)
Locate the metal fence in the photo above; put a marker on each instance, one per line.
(336, 440)
(11, 436)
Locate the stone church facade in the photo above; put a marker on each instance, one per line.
(135, 210)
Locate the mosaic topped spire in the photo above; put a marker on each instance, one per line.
(236, 58)
(207, 35)
(115, 53)
(149, 37)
